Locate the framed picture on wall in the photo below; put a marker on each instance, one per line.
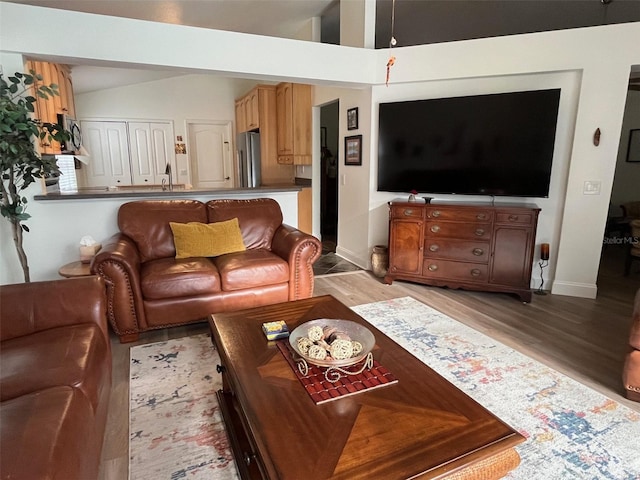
(633, 152)
(352, 118)
(353, 150)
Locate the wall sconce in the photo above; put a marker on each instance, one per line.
(543, 263)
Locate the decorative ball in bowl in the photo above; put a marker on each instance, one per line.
(329, 342)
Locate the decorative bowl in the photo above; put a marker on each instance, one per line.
(355, 331)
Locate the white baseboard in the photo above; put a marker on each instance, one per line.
(353, 258)
(571, 289)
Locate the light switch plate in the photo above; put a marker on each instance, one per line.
(591, 187)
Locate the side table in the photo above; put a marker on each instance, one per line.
(75, 269)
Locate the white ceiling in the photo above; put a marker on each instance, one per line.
(277, 18)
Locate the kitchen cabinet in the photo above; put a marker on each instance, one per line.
(470, 246)
(109, 164)
(248, 111)
(48, 109)
(305, 210)
(256, 111)
(127, 153)
(151, 149)
(293, 108)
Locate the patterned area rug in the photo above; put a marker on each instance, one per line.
(176, 430)
(572, 431)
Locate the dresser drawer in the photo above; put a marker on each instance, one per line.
(459, 214)
(466, 251)
(460, 231)
(461, 271)
(407, 212)
(515, 218)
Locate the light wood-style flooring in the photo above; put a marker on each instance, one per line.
(584, 339)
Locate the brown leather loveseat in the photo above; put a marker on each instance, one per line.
(631, 372)
(55, 378)
(149, 288)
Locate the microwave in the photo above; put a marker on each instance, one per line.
(73, 127)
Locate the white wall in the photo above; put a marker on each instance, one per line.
(594, 64)
(177, 99)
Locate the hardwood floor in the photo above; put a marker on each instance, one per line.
(584, 339)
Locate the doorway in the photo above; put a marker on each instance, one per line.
(210, 154)
(329, 117)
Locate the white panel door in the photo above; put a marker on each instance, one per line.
(108, 163)
(163, 150)
(140, 145)
(209, 152)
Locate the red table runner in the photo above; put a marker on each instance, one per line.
(321, 390)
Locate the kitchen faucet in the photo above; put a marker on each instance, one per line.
(167, 171)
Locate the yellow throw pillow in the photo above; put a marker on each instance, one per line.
(195, 239)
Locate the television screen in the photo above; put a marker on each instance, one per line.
(496, 144)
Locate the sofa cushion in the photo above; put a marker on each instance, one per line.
(75, 355)
(146, 222)
(259, 218)
(49, 434)
(207, 239)
(172, 278)
(253, 268)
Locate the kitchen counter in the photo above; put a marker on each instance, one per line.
(157, 192)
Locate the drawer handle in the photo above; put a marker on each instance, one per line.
(513, 218)
(220, 369)
(434, 248)
(248, 457)
(478, 252)
(435, 228)
(436, 213)
(408, 212)
(481, 216)
(475, 272)
(479, 232)
(433, 268)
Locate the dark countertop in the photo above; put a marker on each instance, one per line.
(146, 192)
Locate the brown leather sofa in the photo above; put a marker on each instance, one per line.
(631, 372)
(148, 288)
(55, 378)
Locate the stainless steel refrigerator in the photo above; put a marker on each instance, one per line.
(248, 144)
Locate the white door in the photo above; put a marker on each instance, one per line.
(151, 150)
(107, 144)
(209, 152)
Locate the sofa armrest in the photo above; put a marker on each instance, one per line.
(300, 250)
(118, 262)
(31, 307)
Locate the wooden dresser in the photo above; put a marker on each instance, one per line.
(473, 246)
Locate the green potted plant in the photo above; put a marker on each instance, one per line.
(20, 162)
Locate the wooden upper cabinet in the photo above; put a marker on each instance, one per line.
(257, 111)
(293, 112)
(248, 111)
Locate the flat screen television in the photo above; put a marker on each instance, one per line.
(495, 144)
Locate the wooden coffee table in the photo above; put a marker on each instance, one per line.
(421, 426)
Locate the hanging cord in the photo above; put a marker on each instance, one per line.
(392, 42)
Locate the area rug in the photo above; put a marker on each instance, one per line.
(176, 429)
(572, 431)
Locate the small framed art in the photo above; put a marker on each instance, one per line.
(633, 152)
(353, 150)
(352, 118)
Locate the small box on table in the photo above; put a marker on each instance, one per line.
(275, 330)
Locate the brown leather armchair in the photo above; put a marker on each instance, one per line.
(631, 372)
(55, 379)
(148, 288)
